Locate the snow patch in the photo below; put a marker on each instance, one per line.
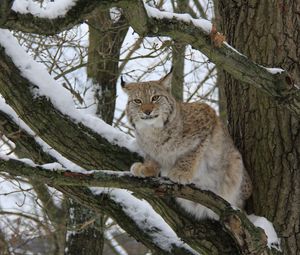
(52, 166)
(145, 217)
(26, 161)
(267, 226)
(3, 156)
(233, 49)
(187, 18)
(274, 70)
(50, 10)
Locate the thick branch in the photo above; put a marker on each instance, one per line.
(26, 146)
(5, 6)
(278, 85)
(104, 204)
(29, 23)
(74, 141)
(252, 240)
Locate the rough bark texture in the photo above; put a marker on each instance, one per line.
(86, 230)
(53, 127)
(202, 236)
(105, 41)
(268, 137)
(178, 53)
(26, 147)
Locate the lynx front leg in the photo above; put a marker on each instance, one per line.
(147, 169)
(184, 168)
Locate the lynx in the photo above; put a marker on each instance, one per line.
(185, 142)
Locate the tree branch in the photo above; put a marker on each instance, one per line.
(71, 139)
(250, 239)
(29, 23)
(278, 85)
(274, 82)
(26, 146)
(5, 6)
(58, 130)
(105, 204)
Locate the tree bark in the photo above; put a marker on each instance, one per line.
(200, 235)
(54, 127)
(26, 147)
(267, 136)
(105, 41)
(86, 230)
(178, 54)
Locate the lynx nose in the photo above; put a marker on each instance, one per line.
(147, 112)
(147, 108)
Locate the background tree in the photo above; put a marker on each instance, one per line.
(75, 138)
(265, 133)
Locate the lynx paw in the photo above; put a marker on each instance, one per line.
(142, 170)
(182, 177)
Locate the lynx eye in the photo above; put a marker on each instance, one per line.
(137, 101)
(155, 98)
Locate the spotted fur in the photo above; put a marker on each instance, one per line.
(185, 142)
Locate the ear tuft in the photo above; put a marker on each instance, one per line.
(123, 83)
(166, 81)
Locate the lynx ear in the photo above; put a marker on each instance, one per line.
(166, 81)
(123, 85)
(122, 82)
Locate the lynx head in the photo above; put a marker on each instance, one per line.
(150, 103)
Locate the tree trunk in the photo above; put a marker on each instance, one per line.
(87, 235)
(267, 136)
(178, 57)
(105, 40)
(178, 54)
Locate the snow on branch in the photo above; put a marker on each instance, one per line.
(118, 210)
(235, 222)
(148, 226)
(204, 37)
(55, 17)
(203, 24)
(43, 105)
(6, 109)
(62, 100)
(51, 10)
(146, 218)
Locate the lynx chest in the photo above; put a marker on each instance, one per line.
(165, 147)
